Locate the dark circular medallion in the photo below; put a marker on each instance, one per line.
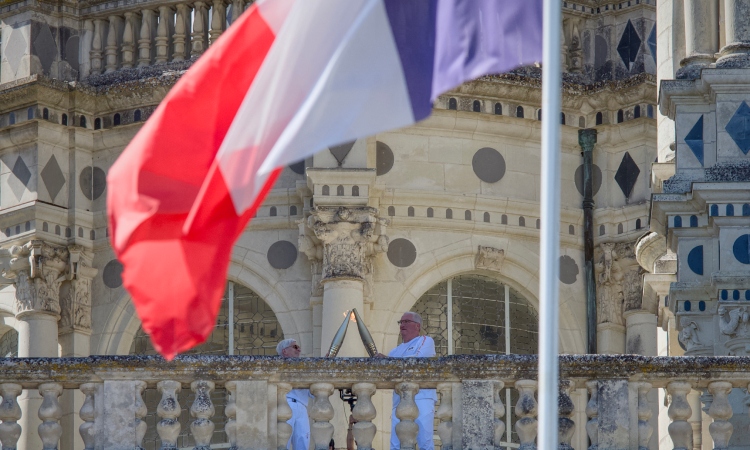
(402, 253)
(282, 255)
(112, 274)
(488, 165)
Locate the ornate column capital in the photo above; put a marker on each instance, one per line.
(619, 281)
(344, 238)
(36, 269)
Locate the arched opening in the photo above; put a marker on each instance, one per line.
(272, 212)
(562, 118)
(498, 109)
(9, 344)
(391, 211)
(650, 111)
(581, 122)
(467, 215)
(476, 106)
(521, 221)
(340, 191)
(30, 113)
(571, 229)
(448, 213)
(599, 118)
(410, 211)
(116, 120)
(45, 114)
(487, 217)
(539, 114)
(746, 209)
(97, 123)
(64, 119)
(293, 210)
(504, 219)
(730, 210)
(476, 315)
(602, 230)
(326, 190)
(620, 116)
(82, 121)
(519, 112)
(355, 191)
(137, 115)
(637, 111)
(714, 210)
(246, 325)
(452, 104)
(430, 212)
(638, 224)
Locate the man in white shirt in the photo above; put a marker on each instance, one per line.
(418, 346)
(297, 399)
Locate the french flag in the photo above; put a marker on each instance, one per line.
(289, 78)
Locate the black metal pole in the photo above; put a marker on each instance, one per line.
(587, 140)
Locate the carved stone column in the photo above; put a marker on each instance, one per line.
(36, 268)
(736, 52)
(701, 33)
(346, 237)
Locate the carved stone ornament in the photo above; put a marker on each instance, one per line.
(619, 282)
(36, 269)
(689, 335)
(733, 322)
(489, 258)
(75, 295)
(344, 239)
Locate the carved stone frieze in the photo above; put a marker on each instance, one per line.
(619, 282)
(36, 268)
(489, 258)
(75, 295)
(342, 239)
(689, 335)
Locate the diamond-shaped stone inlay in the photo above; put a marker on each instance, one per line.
(45, 47)
(629, 44)
(18, 184)
(651, 42)
(340, 151)
(15, 49)
(53, 177)
(739, 127)
(694, 140)
(627, 174)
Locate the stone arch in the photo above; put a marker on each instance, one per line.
(516, 272)
(123, 323)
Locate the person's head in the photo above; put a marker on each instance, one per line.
(288, 348)
(410, 325)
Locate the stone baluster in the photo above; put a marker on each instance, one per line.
(321, 413)
(679, 411)
(230, 411)
(644, 415)
(565, 424)
(140, 413)
(721, 411)
(10, 413)
(145, 42)
(444, 413)
(363, 412)
(238, 6)
(50, 413)
(128, 40)
(88, 415)
(180, 37)
(163, 33)
(199, 29)
(113, 41)
(168, 411)
(407, 412)
(592, 412)
(218, 20)
(283, 413)
(498, 413)
(737, 32)
(202, 409)
(526, 408)
(95, 51)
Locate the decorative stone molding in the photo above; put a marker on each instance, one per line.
(688, 336)
(35, 268)
(619, 282)
(343, 239)
(75, 298)
(489, 258)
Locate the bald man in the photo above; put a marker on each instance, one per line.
(413, 346)
(297, 400)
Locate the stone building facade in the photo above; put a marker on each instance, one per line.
(441, 218)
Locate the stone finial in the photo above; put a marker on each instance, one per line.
(283, 414)
(489, 258)
(168, 410)
(407, 412)
(363, 412)
(35, 268)
(587, 139)
(321, 412)
(10, 414)
(202, 410)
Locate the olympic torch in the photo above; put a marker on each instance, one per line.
(365, 335)
(338, 338)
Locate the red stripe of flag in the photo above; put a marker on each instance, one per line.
(154, 184)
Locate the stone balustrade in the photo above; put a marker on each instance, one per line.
(471, 413)
(157, 33)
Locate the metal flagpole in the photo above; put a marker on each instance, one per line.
(549, 245)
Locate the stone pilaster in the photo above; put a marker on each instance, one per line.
(341, 241)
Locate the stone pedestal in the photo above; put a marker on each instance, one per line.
(610, 338)
(614, 414)
(640, 333)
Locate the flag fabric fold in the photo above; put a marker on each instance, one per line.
(286, 80)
